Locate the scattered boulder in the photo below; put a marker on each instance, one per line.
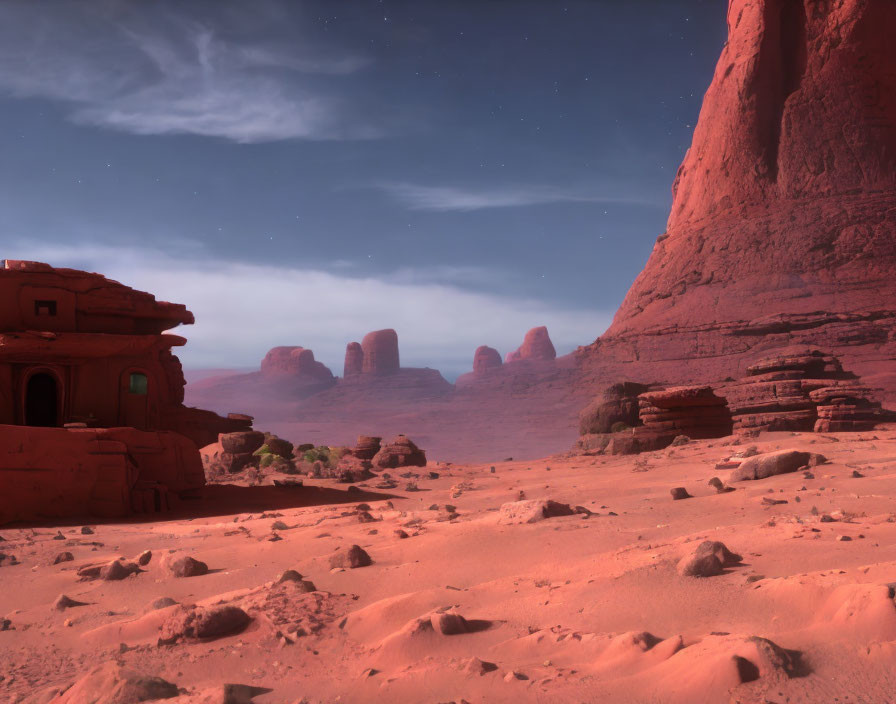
(679, 493)
(770, 464)
(708, 559)
(401, 452)
(532, 511)
(144, 558)
(203, 623)
(449, 623)
(350, 558)
(184, 566)
(63, 557)
(707, 565)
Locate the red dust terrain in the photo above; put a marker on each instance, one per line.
(723, 530)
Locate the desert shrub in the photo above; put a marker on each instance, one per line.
(619, 427)
(263, 450)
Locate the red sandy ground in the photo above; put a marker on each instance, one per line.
(564, 596)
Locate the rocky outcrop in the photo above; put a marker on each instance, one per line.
(617, 406)
(802, 390)
(354, 359)
(536, 345)
(686, 412)
(781, 226)
(485, 359)
(380, 352)
(401, 452)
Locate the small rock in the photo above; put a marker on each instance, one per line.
(857, 474)
(449, 624)
(59, 536)
(144, 557)
(401, 534)
(86, 530)
(289, 576)
(63, 557)
(163, 602)
(117, 570)
(679, 493)
(514, 675)
(843, 538)
(475, 666)
(186, 566)
(64, 602)
(279, 525)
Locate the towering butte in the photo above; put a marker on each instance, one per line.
(380, 352)
(536, 345)
(781, 230)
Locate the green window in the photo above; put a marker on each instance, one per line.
(138, 384)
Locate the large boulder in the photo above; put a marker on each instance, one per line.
(111, 683)
(772, 463)
(532, 511)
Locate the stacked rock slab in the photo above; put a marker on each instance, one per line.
(802, 390)
(694, 411)
(232, 453)
(367, 447)
(845, 407)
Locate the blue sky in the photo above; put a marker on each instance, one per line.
(304, 172)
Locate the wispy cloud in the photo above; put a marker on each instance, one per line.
(166, 73)
(448, 198)
(242, 310)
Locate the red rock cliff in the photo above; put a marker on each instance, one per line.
(784, 210)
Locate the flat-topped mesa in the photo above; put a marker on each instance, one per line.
(486, 358)
(785, 204)
(380, 350)
(354, 360)
(293, 362)
(536, 345)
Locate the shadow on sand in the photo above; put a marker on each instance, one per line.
(224, 500)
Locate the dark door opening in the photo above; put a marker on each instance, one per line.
(41, 401)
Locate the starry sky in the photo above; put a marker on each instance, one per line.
(302, 172)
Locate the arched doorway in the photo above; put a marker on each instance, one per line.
(42, 400)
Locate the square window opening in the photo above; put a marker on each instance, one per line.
(45, 308)
(138, 384)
